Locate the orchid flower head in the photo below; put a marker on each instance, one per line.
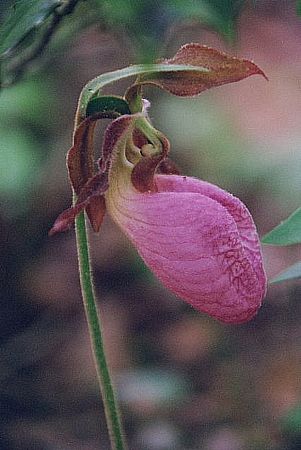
(199, 240)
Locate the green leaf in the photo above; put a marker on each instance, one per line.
(112, 106)
(220, 15)
(24, 17)
(287, 232)
(144, 22)
(95, 86)
(290, 273)
(298, 7)
(291, 421)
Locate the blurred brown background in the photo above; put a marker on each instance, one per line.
(184, 381)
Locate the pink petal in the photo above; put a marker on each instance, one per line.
(199, 240)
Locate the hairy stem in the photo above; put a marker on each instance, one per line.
(93, 319)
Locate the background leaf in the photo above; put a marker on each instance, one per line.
(24, 142)
(290, 273)
(287, 232)
(220, 15)
(146, 22)
(24, 17)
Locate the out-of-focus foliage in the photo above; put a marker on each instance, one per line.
(27, 29)
(22, 151)
(146, 22)
(24, 18)
(287, 232)
(221, 15)
(29, 25)
(291, 422)
(290, 273)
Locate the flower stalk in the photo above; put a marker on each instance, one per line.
(111, 409)
(94, 323)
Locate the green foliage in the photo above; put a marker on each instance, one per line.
(298, 7)
(23, 147)
(287, 232)
(25, 33)
(30, 24)
(220, 15)
(290, 273)
(146, 22)
(24, 18)
(291, 422)
(18, 162)
(153, 385)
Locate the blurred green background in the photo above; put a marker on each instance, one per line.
(185, 381)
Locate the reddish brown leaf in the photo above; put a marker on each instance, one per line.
(221, 69)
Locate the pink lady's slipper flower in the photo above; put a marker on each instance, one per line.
(199, 240)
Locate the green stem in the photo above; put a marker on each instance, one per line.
(108, 396)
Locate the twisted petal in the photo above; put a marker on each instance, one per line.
(199, 240)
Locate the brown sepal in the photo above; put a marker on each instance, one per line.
(222, 69)
(112, 135)
(96, 210)
(81, 168)
(66, 219)
(80, 157)
(90, 197)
